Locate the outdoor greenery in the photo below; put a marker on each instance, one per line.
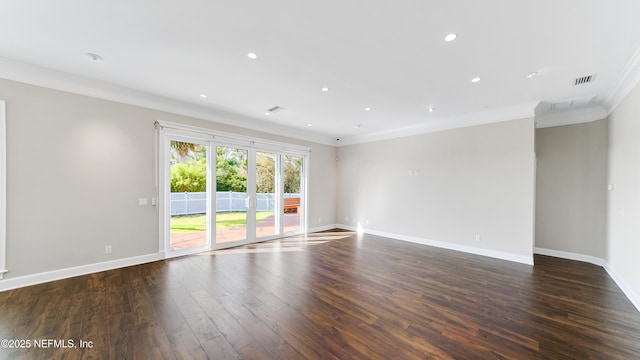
(231, 169)
(189, 176)
(188, 172)
(189, 167)
(191, 223)
(292, 171)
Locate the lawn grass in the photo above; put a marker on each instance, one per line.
(189, 223)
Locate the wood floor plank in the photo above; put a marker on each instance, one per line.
(332, 295)
(185, 345)
(151, 342)
(229, 326)
(203, 328)
(95, 314)
(122, 335)
(219, 348)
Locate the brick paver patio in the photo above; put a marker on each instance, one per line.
(264, 227)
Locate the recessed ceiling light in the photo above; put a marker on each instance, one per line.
(252, 56)
(204, 96)
(309, 125)
(94, 57)
(475, 79)
(325, 89)
(531, 75)
(267, 112)
(358, 126)
(431, 109)
(367, 109)
(450, 37)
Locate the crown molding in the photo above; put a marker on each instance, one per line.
(628, 80)
(53, 79)
(570, 117)
(521, 111)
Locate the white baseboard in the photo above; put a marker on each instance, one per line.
(27, 280)
(39, 278)
(570, 256)
(450, 246)
(323, 228)
(631, 295)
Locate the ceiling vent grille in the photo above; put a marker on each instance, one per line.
(275, 109)
(584, 80)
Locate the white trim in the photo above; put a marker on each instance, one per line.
(323, 228)
(40, 76)
(43, 277)
(629, 293)
(628, 80)
(569, 256)
(222, 137)
(166, 136)
(3, 191)
(450, 246)
(163, 184)
(570, 117)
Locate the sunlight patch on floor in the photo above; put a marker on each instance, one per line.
(288, 244)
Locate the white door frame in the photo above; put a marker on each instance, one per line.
(166, 136)
(3, 190)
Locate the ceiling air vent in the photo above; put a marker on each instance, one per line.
(584, 80)
(275, 109)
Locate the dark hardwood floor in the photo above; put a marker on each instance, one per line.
(328, 296)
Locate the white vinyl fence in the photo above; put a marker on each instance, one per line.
(187, 203)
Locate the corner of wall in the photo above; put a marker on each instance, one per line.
(628, 291)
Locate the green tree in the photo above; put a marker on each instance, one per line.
(189, 176)
(183, 149)
(265, 173)
(189, 167)
(292, 171)
(231, 170)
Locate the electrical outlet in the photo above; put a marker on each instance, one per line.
(107, 249)
(477, 237)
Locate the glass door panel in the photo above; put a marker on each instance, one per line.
(188, 198)
(232, 200)
(292, 180)
(267, 222)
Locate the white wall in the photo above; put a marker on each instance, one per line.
(623, 210)
(474, 180)
(76, 168)
(571, 188)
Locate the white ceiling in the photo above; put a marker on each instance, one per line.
(387, 55)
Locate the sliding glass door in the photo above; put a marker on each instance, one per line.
(258, 193)
(292, 209)
(267, 190)
(189, 214)
(231, 194)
